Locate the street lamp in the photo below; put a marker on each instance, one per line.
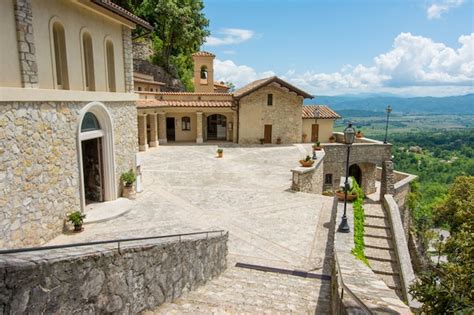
(349, 134)
(389, 110)
(316, 116)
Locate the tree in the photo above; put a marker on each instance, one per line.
(180, 28)
(448, 288)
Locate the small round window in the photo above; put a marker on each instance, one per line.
(90, 123)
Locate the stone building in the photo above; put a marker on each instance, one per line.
(268, 110)
(68, 117)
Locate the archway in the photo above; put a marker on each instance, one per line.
(216, 127)
(356, 172)
(96, 155)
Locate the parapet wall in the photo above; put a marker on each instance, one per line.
(107, 280)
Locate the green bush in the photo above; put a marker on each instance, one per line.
(76, 218)
(359, 219)
(128, 178)
(220, 150)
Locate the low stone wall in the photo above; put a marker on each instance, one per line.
(407, 275)
(357, 277)
(309, 179)
(106, 280)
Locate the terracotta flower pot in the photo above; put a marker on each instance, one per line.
(78, 228)
(129, 192)
(220, 154)
(350, 196)
(359, 135)
(317, 148)
(332, 139)
(305, 163)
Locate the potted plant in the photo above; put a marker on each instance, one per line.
(220, 153)
(76, 218)
(262, 141)
(359, 134)
(351, 194)
(307, 162)
(332, 139)
(279, 140)
(304, 137)
(128, 178)
(317, 146)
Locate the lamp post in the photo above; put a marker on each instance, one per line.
(349, 134)
(316, 116)
(389, 110)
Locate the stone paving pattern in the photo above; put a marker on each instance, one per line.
(188, 189)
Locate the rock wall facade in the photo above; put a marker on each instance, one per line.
(159, 74)
(98, 281)
(284, 116)
(39, 168)
(309, 179)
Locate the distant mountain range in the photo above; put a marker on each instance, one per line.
(461, 105)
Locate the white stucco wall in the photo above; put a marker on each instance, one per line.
(74, 18)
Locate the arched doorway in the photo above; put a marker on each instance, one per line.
(96, 155)
(356, 172)
(216, 127)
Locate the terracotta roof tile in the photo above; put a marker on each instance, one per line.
(323, 112)
(139, 80)
(203, 53)
(181, 103)
(109, 5)
(195, 93)
(255, 85)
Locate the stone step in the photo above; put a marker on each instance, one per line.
(381, 254)
(376, 221)
(385, 267)
(378, 245)
(392, 281)
(377, 226)
(370, 231)
(375, 216)
(376, 210)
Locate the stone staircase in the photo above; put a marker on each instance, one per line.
(246, 291)
(379, 247)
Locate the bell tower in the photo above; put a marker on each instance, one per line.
(203, 72)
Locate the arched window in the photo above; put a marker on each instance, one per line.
(89, 122)
(186, 123)
(60, 59)
(88, 56)
(204, 73)
(110, 58)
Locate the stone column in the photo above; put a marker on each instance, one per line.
(199, 138)
(235, 127)
(26, 43)
(387, 180)
(162, 139)
(142, 137)
(153, 131)
(127, 58)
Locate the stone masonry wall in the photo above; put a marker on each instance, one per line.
(127, 58)
(39, 174)
(99, 280)
(284, 116)
(26, 43)
(309, 179)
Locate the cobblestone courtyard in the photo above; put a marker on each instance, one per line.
(188, 189)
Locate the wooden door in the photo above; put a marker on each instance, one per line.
(314, 132)
(268, 134)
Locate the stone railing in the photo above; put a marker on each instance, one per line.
(340, 139)
(106, 279)
(309, 179)
(362, 291)
(402, 253)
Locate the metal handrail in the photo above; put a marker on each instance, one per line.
(118, 241)
(349, 291)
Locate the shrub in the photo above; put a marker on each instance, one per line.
(359, 219)
(220, 150)
(76, 218)
(128, 178)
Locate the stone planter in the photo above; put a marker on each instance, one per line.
(350, 196)
(78, 228)
(306, 163)
(129, 192)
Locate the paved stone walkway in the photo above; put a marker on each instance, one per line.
(188, 189)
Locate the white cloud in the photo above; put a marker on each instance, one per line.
(415, 65)
(240, 75)
(437, 9)
(230, 36)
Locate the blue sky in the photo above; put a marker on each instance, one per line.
(335, 47)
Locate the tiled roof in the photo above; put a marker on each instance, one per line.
(255, 85)
(139, 80)
(203, 53)
(323, 112)
(109, 5)
(181, 103)
(195, 93)
(216, 83)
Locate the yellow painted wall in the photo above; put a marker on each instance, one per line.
(9, 62)
(284, 116)
(325, 129)
(74, 18)
(182, 135)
